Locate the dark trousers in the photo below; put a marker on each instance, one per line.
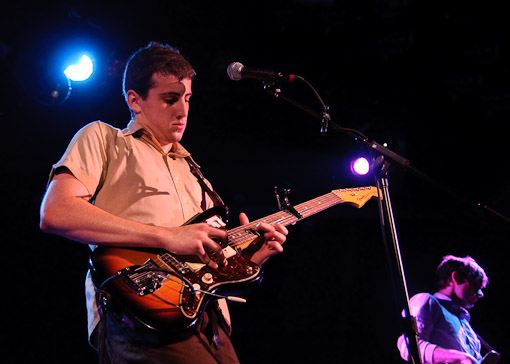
(121, 341)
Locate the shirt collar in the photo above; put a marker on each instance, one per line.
(451, 306)
(134, 128)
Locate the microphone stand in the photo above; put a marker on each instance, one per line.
(274, 90)
(383, 159)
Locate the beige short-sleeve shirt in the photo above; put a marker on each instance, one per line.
(128, 174)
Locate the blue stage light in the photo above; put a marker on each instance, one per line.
(80, 71)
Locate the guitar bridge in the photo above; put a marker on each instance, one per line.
(143, 279)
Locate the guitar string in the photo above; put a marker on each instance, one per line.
(243, 234)
(306, 209)
(284, 217)
(236, 238)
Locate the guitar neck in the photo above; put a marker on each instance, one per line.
(245, 233)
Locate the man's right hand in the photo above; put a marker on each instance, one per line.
(66, 211)
(451, 356)
(198, 239)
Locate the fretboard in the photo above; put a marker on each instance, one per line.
(245, 233)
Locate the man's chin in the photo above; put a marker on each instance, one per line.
(469, 305)
(175, 137)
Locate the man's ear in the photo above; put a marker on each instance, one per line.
(456, 278)
(133, 100)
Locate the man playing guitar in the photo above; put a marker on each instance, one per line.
(442, 319)
(135, 188)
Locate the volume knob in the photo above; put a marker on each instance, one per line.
(207, 278)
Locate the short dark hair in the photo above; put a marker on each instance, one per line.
(466, 268)
(154, 58)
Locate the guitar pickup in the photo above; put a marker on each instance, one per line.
(228, 251)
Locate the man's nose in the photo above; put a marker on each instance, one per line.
(182, 109)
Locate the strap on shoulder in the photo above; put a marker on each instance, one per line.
(195, 169)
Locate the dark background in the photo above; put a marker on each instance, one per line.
(430, 78)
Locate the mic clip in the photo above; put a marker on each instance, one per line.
(285, 205)
(326, 118)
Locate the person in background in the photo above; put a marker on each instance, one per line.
(442, 319)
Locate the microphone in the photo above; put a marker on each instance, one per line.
(236, 72)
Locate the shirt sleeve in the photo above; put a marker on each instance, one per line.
(86, 156)
(422, 307)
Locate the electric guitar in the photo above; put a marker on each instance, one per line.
(169, 292)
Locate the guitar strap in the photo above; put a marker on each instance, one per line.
(195, 169)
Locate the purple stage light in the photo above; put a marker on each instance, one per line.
(360, 166)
